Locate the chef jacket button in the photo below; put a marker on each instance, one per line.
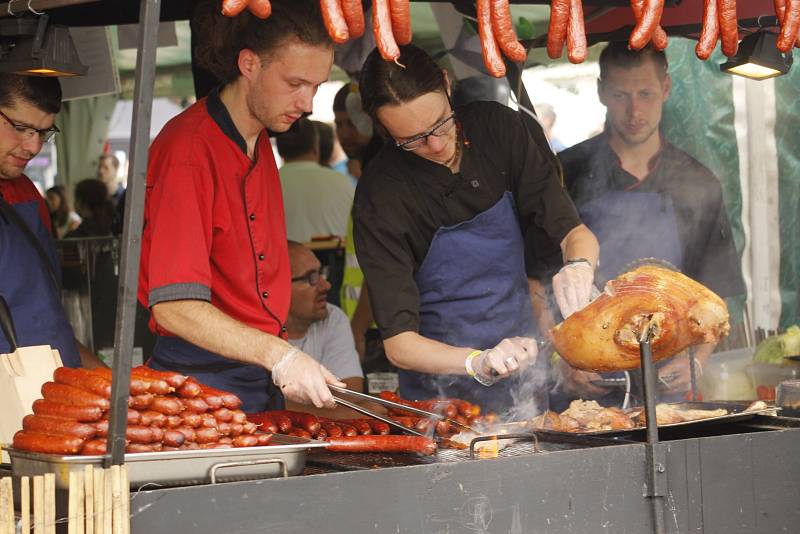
(252, 216)
(261, 257)
(265, 294)
(283, 329)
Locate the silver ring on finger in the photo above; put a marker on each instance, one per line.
(511, 360)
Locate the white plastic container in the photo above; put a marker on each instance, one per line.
(725, 376)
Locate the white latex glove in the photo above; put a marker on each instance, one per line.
(508, 357)
(303, 379)
(572, 287)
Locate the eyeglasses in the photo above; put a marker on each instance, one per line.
(312, 278)
(26, 132)
(438, 130)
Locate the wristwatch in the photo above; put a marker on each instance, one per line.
(579, 260)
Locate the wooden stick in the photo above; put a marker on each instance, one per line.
(99, 489)
(5, 497)
(116, 508)
(50, 503)
(125, 486)
(72, 507)
(88, 496)
(80, 500)
(108, 503)
(38, 505)
(25, 503)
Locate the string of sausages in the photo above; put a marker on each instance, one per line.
(166, 411)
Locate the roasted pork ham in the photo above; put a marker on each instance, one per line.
(604, 336)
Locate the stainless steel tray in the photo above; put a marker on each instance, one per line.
(737, 411)
(286, 457)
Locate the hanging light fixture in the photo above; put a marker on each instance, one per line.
(31, 46)
(758, 57)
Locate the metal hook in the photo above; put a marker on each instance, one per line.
(31, 8)
(8, 8)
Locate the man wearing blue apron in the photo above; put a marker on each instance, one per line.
(439, 220)
(31, 276)
(644, 198)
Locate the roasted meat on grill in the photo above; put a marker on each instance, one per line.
(604, 336)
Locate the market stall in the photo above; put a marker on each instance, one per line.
(729, 475)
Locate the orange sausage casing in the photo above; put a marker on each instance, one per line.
(263, 439)
(173, 379)
(193, 420)
(151, 418)
(189, 390)
(710, 34)
(207, 435)
(84, 414)
(83, 379)
(790, 26)
(71, 395)
(728, 26)
(94, 447)
(174, 438)
(382, 29)
(334, 20)
(503, 27)
(489, 49)
(134, 433)
(54, 425)
(188, 433)
(194, 405)
(332, 429)
(249, 428)
(138, 385)
(167, 405)
(47, 443)
(660, 39)
(231, 8)
(354, 16)
(281, 423)
(245, 441)
(557, 31)
(141, 402)
(135, 448)
(646, 24)
(300, 433)
(379, 427)
(306, 421)
(401, 21)
(260, 8)
(361, 425)
(360, 444)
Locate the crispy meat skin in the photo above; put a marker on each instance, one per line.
(604, 336)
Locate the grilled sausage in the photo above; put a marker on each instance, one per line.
(382, 29)
(65, 394)
(53, 425)
(158, 434)
(207, 435)
(175, 380)
(173, 421)
(299, 433)
(223, 415)
(135, 448)
(133, 433)
(208, 421)
(361, 425)
(157, 386)
(193, 420)
(83, 379)
(263, 439)
(141, 402)
(138, 385)
(167, 405)
(332, 429)
(94, 447)
(446, 408)
(84, 414)
(174, 438)
(216, 446)
(466, 408)
(214, 402)
(660, 39)
(260, 8)
(238, 416)
(195, 405)
(780, 13)
(557, 31)
(401, 21)
(303, 420)
(151, 418)
(347, 430)
(47, 443)
(790, 26)
(237, 429)
(710, 34)
(224, 428)
(188, 433)
(334, 20)
(231, 8)
(354, 16)
(728, 26)
(280, 422)
(503, 28)
(134, 416)
(646, 24)
(245, 441)
(379, 427)
(321, 434)
(189, 390)
(360, 444)
(489, 49)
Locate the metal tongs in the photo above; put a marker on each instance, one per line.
(392, 404)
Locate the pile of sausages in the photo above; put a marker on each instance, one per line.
(166, 412)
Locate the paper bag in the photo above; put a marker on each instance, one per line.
(22, 374)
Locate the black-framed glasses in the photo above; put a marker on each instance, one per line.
(438, 130)
(25, 132)
(312, 278)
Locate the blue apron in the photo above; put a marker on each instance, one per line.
(253, 384)
(473, 292)
(25, 283)
(631, 225)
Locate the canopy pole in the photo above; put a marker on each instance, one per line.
(149, 13)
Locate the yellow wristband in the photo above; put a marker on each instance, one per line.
(468, 362)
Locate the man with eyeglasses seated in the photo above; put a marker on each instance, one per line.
(319, 328)
(439, 217)
(31, 277)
